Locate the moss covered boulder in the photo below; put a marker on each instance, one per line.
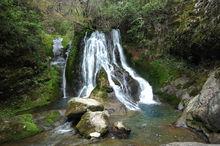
(18, 127)
(78, 106)
(93, 123)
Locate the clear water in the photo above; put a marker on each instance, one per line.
(151, 126)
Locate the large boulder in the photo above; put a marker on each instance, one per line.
(78, 106)
(203, 111)
(93, 124)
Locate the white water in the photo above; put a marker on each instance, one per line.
(57, 47)
(59, 60)
(100, 54)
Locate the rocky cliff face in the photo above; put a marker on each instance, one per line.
(203, 111)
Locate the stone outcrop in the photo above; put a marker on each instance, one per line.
(203, 111)
(182, 89)
(78, 106)
(93, 124)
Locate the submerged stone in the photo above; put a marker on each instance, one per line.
(120, 131)
(78, 106)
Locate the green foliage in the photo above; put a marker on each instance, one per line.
(184, 29)
(45, 91)
(19, 30)
(135, 18)
(20, 45)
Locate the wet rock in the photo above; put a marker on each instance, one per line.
(134, 89)
(78, 106)
(203, 111)
(92, 123)
(120, 131)
(129, 83)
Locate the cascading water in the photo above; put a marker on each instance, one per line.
(60, 61)
(102, 53)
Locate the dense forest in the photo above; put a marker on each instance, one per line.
(173, 44)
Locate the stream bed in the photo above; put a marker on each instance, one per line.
(151, 126)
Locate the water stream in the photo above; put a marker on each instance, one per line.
(151, 126)
(106, 52)
(60, 60)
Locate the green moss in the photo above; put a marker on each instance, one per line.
(84, 125)
(74, 59)
(102, 87)
(30, 128)
(70, 65)
(18, 127)
(52, 117)
(47, 92)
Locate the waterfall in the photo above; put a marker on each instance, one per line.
(60, 61)
(100, 52)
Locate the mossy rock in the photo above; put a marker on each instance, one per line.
(92, 122)
(18, 127)
(102, 88)
(78, 106)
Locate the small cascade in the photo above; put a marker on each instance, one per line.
(65, 128)
(60, 60)
(100, 52)
(64, 72)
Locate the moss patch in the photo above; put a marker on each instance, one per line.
(52, 117)
(102, 87)
(30, 128)
(18, 127)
